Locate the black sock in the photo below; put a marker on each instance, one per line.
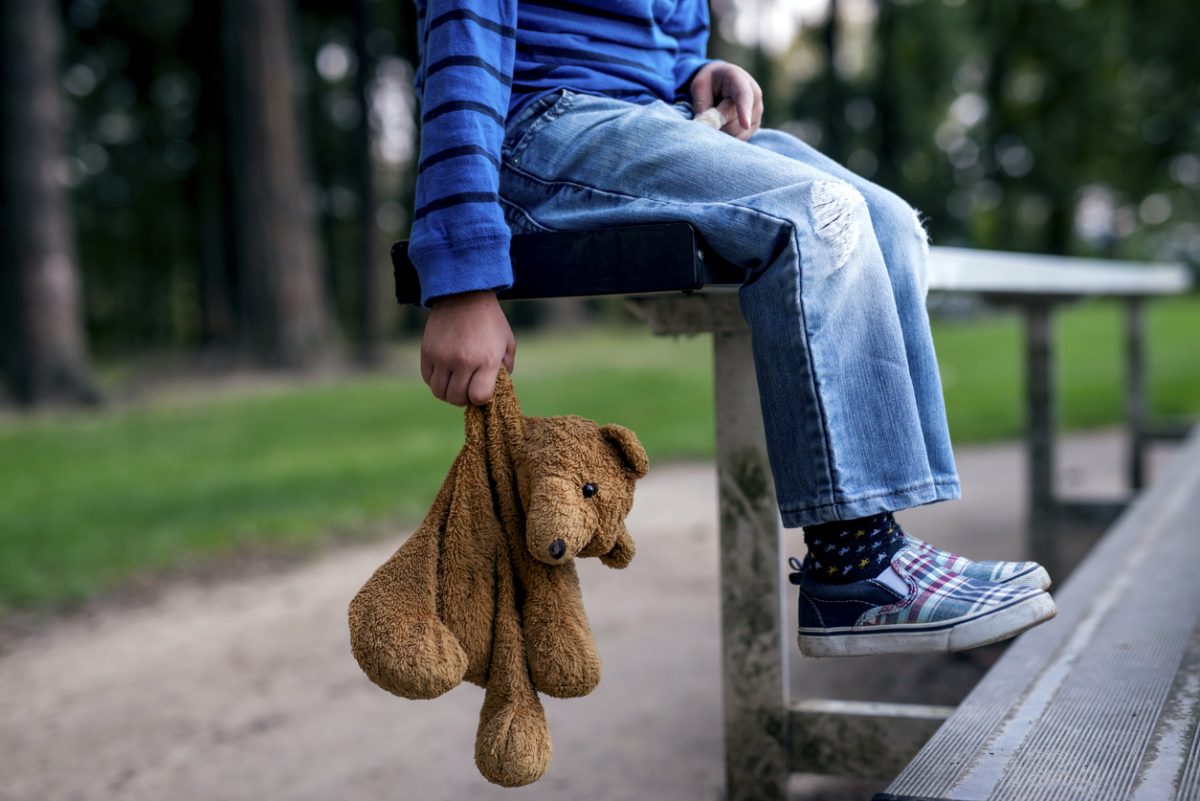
(842, 551)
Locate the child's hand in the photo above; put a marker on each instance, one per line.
(735, 94)
(466, 340)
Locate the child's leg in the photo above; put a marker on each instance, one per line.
(835, 304)
(904, 244)
(903, 241)
(845, 434)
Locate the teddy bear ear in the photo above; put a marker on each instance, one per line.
(626, 443)
(622, 551)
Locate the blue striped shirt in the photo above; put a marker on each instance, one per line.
(481, 62)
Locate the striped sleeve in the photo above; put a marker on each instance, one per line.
(689, 25)
(459, 240)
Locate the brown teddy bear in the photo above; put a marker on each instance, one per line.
(486, 591)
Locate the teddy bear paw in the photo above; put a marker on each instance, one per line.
(424, 662)
(512, 747)
(561, 665)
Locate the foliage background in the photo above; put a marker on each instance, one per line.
(1068, 126)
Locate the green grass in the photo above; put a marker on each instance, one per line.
(89, 501)
(983, 374)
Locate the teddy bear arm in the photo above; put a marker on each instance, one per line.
(559, 646)
(395, 632)
(473, 553)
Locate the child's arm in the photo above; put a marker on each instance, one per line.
(709, 82)
(459, 241)
(689, 24)
(734, 93)
(466, 340)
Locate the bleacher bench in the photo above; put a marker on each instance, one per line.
(1103, 702)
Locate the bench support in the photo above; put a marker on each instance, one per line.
(766, 739)
(753, 656)
(1135, 390)
(860, 738)
(1047, 513)
(1040, 417)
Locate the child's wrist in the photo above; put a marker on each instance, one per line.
(472, 298)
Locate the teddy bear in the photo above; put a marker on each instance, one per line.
(486, 590)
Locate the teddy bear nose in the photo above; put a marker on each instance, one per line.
(557, 549)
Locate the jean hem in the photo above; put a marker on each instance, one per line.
(871, 504)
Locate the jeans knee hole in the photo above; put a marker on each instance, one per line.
(838, 212)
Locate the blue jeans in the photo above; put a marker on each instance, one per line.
(835, 300)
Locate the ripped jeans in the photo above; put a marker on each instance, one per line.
(848, 379)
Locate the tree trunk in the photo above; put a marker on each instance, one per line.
(834, 142)
(43, 349)
(885, 97)
(284, 316)
(372, 290)
(212, 193)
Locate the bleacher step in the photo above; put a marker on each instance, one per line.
(1103, 702)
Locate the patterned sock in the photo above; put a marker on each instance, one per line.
(843, 551)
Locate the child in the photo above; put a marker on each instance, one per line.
(577, 114)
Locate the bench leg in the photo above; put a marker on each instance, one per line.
(754, 658)
(1135, 391)
(1040, 424)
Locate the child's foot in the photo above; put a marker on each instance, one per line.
(1029, 574)
(941, 610)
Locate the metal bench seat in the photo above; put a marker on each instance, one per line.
(626, 260)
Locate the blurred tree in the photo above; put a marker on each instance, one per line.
(1060, 126)
(371, 312)
(360, 113)
(837, 140)
(213, 182)
(1067, 125)
(283, 316)
(43, 350)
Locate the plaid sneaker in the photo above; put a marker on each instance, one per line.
(943, 611)
(1029, 574)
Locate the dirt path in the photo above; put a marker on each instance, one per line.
(246, 689)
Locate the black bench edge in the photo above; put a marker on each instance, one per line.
(623, 260)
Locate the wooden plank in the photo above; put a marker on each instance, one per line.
(1104, 701)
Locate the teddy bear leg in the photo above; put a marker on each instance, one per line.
(395, 632)
(559, 647)
(512, 744)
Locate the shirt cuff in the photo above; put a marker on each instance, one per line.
(449, 268)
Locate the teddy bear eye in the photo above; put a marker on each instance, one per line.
(589, 490)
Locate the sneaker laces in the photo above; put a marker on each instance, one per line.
(797, 570)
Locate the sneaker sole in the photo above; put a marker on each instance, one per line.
(930, 638)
